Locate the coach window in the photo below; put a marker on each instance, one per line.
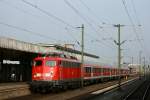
(63, 63)
(75, 64)
(99, 70)
(86, 69)
(68, 64)
(60, 63)
(89, 70)
(51, 63)
(104, 70)
(71, 64)
(78, 65)
(94, 70)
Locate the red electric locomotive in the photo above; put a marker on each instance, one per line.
(58, 71)
(55, 71)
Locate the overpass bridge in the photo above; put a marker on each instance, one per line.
(16, 57)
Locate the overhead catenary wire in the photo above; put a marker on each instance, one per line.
(134, 29)
(51, 15)
(94, 15)
(18, 8)
(28, 31)
(137, 18)
(22, 29)
(80, 15)
(136, 15)
(90, 11)
(72, 36)
(127, 12)
(48, 13)
(131, 21)
(26, 12)
(98, 24)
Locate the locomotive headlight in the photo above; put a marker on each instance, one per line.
(37, 75)
(47, 74)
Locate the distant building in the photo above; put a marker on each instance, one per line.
(134, 68)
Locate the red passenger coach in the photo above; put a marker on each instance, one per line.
(97, 73)
(55, 71)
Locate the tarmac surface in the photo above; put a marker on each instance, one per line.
(117, 93)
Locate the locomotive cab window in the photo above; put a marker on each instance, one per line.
(51, 63)
(37, 63)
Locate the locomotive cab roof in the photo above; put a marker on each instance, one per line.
(61, 55)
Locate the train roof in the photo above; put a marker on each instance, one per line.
(57, 57)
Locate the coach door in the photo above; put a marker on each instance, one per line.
(91, 71)
(60, 64)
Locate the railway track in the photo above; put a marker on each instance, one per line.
(7, 92)
(75, 94)
(141, 92)
(146, 94)
(20, 91)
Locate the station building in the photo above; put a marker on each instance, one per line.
(16, 58)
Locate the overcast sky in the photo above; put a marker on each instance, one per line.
(55, 21)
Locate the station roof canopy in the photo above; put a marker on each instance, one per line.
(62, 48)
(18, 45)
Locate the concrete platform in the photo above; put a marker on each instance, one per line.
(11, 90)
(114, 93)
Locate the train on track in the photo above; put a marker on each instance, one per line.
(59, 71)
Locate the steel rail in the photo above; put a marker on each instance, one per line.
(132, 92)
(146, 93)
